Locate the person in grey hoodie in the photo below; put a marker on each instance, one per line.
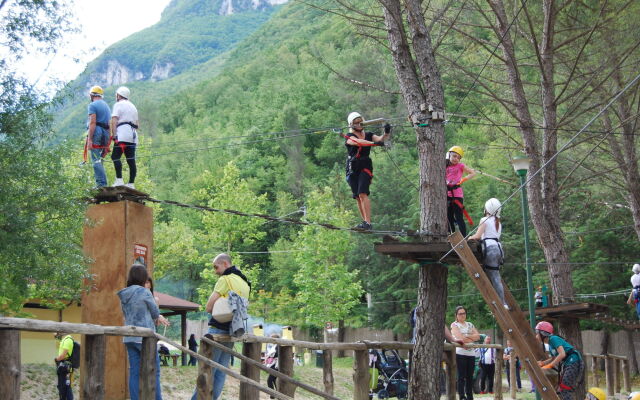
(139, 309)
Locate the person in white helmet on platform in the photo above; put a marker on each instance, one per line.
(488, 233)
(634, 296)
(124, 125)
(359, 167)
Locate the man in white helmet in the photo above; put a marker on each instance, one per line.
(359, 167)
(124, 123)
(634, 296)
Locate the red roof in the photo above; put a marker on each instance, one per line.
(169, 302)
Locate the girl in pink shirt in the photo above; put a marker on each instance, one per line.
(455, 197)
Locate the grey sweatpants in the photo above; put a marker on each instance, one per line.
(493, 258)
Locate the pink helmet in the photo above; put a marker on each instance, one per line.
(544, 326)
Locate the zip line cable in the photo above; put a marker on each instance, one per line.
(574, 137)
(287, 220)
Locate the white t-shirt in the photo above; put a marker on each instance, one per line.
(490, 230)
(126, 112)
(466, 328)
(635, 280)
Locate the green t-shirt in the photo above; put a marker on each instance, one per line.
(572, 355)
(66, 343)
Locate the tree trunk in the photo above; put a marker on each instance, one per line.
(341, 333)
(421, 86)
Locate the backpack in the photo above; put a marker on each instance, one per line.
(75, 355)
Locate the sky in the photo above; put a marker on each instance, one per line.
(102, 23)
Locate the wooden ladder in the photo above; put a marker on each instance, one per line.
(512, 321)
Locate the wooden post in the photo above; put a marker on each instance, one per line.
(626, 375)
(451, 374)
(148, 368)
(285, 363)
(183, 335)
(204, 381)
(93, 358)
(513, 385)
(327, 371)
(608, 372)
(616, 374)
(251, 350)
(594, 368)
(10, 371)
(361, 375)
(497, 380)
(586, 371)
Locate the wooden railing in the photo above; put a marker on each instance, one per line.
(94, 345)
(614, 366)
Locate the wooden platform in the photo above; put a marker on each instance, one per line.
(110, 194)
(422, 252)
(572, 310)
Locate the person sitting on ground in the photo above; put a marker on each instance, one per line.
(359, 167)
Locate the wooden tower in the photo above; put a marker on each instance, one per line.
(115, 234)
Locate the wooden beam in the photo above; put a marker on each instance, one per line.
(626, 375)
(204, 381)
(11, 368)
(608, 372)
(361, 375)
(327, 371)
(251, 351)
(34, 325)
(263, 367)
(451, 374)
(148, 368)
(93, 366)
(521, 335)
(285, 363)
(183, 334)
(497, 379)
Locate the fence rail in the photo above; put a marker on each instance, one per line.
(93, 365)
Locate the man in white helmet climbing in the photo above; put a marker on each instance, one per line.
(98, 133)
(634, 296)
(359, 167)
(124, 125)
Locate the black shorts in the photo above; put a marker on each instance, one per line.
(359, 182)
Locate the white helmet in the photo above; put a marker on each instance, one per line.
(632, 394)
(353, 116)
(492, 207)
(636, 268)
(123, 91)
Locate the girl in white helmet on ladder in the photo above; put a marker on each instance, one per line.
(488, 233)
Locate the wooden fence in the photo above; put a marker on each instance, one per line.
(94, 345)
(614, 366)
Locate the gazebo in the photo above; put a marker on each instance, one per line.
(177, 306)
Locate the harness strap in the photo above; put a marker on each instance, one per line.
(102, 125)
(491, 268)
(368, 172)
(131, 124)
(562, 387)
(464, 210)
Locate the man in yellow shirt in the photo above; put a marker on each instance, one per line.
(230, 279)
(63, 363)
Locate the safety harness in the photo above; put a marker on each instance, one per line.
(561, 385)
(483, 247)
(106, 148)
(636, 294)
(122, 145)
(351, 159)
(457, 202)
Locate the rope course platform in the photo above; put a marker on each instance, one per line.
(109, 194)
(422, 252)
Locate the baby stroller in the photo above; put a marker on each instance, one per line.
(389, 375)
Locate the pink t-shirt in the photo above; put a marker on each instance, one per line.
(453, 175)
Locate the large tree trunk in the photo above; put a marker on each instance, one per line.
(544, 202)
(421, 86)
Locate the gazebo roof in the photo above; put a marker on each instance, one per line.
(168, 302)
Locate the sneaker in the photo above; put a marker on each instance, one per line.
(118, 182)
(130, 185)
(364, 225)
(506, 307)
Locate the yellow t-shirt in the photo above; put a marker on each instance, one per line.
(232, 282)
(66, 343)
